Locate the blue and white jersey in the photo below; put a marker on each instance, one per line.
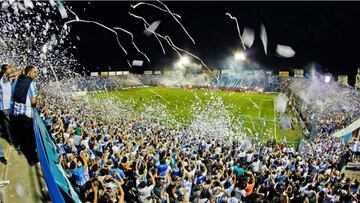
(25, 109)
(200, 179)
(162, 169)
(80, 175)
(176, 171)
(219, 197)
(5, 92)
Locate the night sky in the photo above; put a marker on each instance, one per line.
(327, 33)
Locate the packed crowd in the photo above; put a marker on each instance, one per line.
(134, 161)
(259, 79)
(327, 106)
(105, 83)
(266, 82)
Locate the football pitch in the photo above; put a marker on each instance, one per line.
(256, 111)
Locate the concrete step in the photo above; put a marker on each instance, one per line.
(27, 183)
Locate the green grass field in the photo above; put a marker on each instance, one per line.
(252, 108)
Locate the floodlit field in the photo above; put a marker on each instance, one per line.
(252, 109)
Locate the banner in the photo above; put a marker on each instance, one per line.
(284, 73)
(298, 73)
(148, 72)
(94, 74)
(137, 63)
(104, 73)
(249, 72)
(346, 137)
(343, 79)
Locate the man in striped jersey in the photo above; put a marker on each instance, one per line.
(21, 125)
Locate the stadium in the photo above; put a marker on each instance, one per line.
(170, 128)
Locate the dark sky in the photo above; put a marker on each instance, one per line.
(324, 32)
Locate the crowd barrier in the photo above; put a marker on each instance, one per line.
(59, 186)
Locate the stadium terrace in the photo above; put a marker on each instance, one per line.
(239, 132)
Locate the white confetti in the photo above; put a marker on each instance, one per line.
(4, 183)
(146, 24)
(11, 2)
(27, 26)
(132, 41)
(21, 7)
(20, 190)
(99, 24)
(285, 51)
(237, 27)
(137, 63)
(248, 37)
(151, 29)
(171, 44)
(149, 4)
(172, 14)
(44, 48)
(28, 4)
(52, 3)
(62, 12)
(4, 5)
(47, 26)
(264, 38)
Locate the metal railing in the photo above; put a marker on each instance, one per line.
(59, 187)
